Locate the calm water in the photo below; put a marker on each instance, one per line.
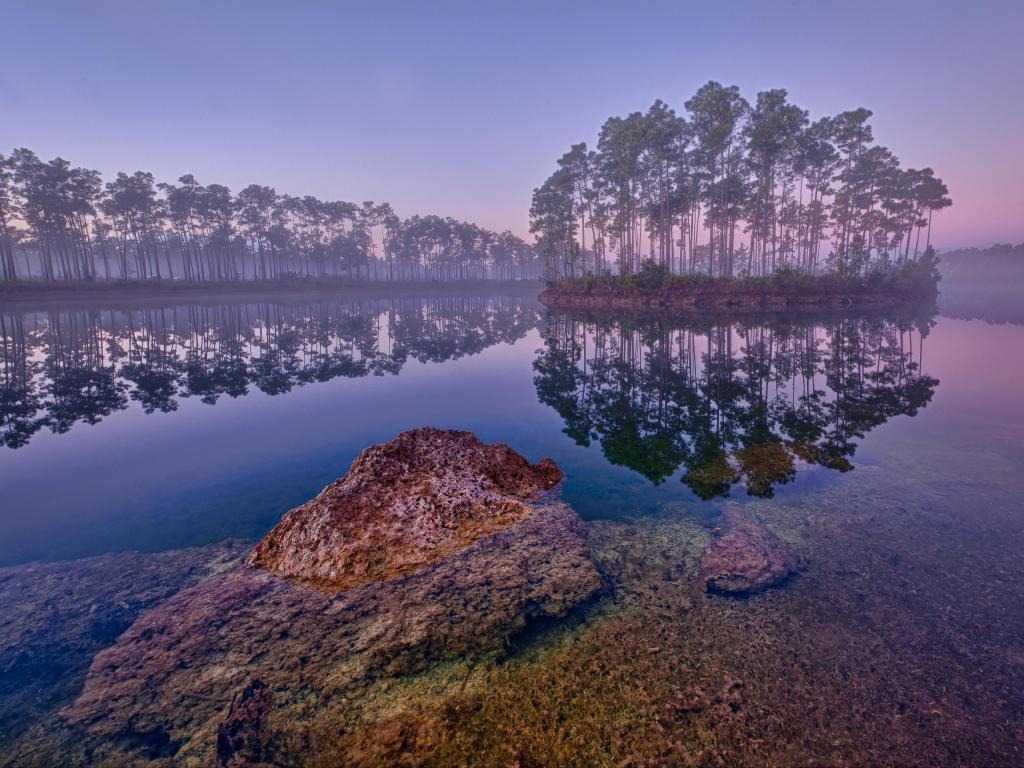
(155, 429)
(886, 449)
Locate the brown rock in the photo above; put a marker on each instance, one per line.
(174, 671)
(746, 557)
(404, 504)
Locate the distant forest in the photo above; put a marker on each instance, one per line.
(983, 283)
(732, 188)
(62, 223)
(999, 262)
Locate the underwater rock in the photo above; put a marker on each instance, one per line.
(175, 670)
(402, 505)
(57, 616)
(746, 557)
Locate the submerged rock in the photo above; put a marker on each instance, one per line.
(492, 558)
(55, 617)
(404, 504)
(746, 557)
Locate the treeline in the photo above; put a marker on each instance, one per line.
(1001, 260)
(731, 188)
(61, 222)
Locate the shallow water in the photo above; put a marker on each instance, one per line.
(887, 450)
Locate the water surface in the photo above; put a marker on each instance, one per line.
(886, 448)
(161, 428)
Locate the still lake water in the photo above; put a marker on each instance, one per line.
(160, 428)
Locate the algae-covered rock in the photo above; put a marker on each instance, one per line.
(56, 616)
(242, 737)
(492, 558)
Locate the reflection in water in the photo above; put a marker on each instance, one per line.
(60, 368)
(899, 644)
(730, 402)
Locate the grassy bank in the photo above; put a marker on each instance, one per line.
(653, 287)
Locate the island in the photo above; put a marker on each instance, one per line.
(736, 204)
(654, 287)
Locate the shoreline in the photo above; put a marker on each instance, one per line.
(30, 295)
(911, 309)
(725, 298)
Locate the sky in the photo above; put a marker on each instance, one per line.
(462, 108)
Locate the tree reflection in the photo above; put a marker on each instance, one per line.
(61, 368)
(730, 403)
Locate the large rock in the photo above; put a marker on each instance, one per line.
(746, 557)
(404, 504)
(170, 678)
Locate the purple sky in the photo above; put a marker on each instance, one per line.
(462, 108)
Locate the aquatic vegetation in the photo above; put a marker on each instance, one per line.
(831, 669)
(57, 616)
(242, 737)
(859, 660)
(765, 465)
(714, 477)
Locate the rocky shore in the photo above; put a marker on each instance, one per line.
(238, 667)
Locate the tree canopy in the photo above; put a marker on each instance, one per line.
(728, 187)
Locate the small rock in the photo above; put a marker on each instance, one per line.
(746, 557)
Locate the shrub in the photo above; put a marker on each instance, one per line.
(651, 275)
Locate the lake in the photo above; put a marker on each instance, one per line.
(887, 448)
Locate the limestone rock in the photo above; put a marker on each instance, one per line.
(57, 616)
(174, 673)
(404, 504)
